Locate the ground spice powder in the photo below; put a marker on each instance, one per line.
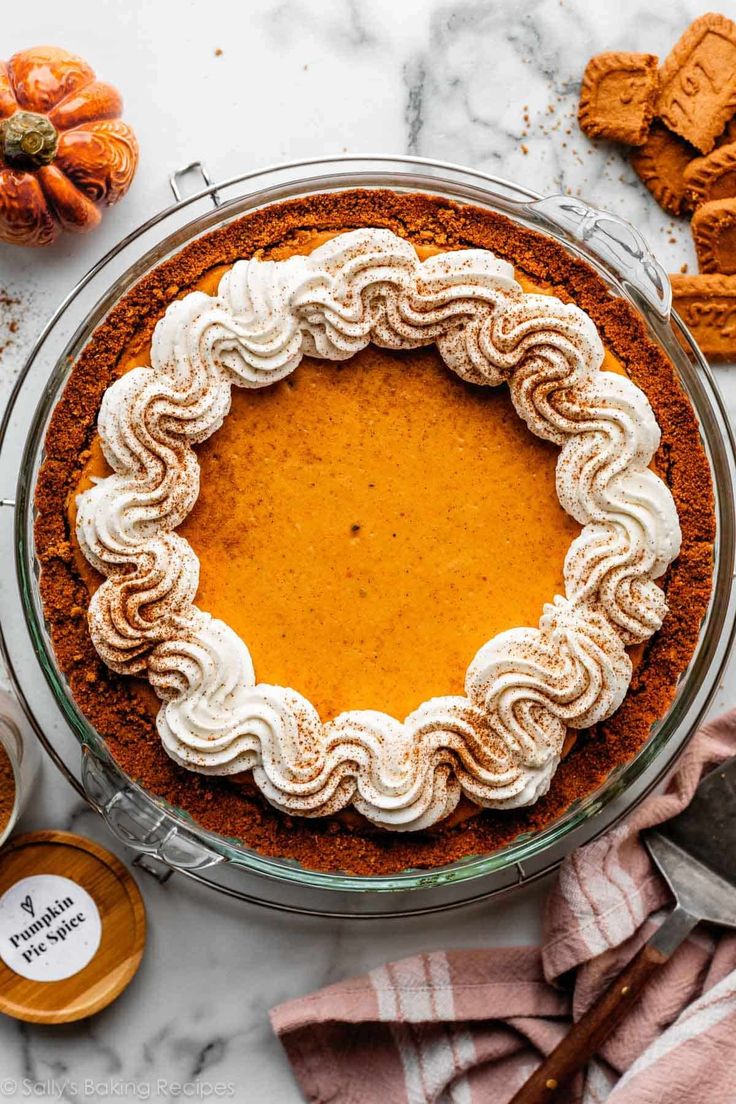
(7, 789)
(124, 716)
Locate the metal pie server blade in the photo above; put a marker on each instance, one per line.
(696, 853)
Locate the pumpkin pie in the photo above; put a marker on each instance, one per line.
(373, 532)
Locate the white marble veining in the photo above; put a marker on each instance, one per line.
(301, 78)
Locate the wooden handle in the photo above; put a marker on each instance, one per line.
(587, 1035)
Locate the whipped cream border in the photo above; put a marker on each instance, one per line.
(500, 744)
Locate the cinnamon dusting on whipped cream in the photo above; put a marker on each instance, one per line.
(527, 686)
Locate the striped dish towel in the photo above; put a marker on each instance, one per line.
(465, 1027)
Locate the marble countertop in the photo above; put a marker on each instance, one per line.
(489, 83)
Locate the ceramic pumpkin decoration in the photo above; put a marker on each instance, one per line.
(64, 151)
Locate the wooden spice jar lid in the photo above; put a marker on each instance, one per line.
(72, 927)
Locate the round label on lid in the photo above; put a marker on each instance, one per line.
(50, 927)
(72, 927)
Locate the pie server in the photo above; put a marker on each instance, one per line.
(696, 854)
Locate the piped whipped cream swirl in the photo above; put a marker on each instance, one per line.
(500, 744)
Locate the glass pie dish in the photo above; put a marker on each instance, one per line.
(167, 839)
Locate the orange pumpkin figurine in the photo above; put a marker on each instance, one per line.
(63, 148)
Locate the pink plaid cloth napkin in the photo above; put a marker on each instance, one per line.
(465, 1027)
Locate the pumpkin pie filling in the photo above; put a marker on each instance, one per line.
(365, 527)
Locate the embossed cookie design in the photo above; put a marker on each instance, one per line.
(618, 97)
(714, 234)
(698, 82)
(711, 177)
(707, 306)
(661, 164)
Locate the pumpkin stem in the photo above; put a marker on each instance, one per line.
(28, 140)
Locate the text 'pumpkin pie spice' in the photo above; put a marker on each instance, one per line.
(698, 82)
(618, 96)
(711, 177)
(7, 789)
(661, 164)
(707, 306)
(714, 234)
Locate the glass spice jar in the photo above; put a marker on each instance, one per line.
(19, 756)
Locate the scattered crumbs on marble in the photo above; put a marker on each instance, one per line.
(10, 307)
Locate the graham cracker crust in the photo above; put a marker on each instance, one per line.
(235, 810)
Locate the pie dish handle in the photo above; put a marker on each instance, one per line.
(139, 823)
(176, 181)
(615, 242)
